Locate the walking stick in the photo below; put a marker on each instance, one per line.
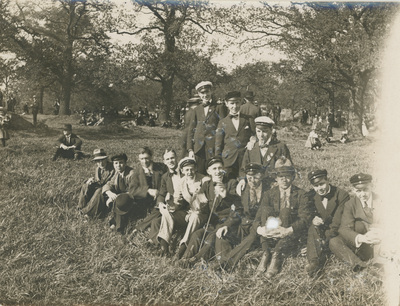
(208, 221)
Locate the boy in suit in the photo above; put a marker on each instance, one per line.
(266, 151)
(357, 234)
(284, 217)
(201, 132)
(69, 145)
(233, 133)
(329, 203)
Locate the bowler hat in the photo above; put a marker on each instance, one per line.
(284, 166)
(67, 127)
(316, 175)
(99, 154)
(360, 178)
(249, 95)
(119, 157)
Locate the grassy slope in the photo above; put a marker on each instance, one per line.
(48, 255)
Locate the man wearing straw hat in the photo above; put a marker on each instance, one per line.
(102, 174)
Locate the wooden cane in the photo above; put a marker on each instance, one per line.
(208, 221)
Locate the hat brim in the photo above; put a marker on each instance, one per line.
(99, 158)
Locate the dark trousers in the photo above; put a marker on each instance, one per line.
(232, 172)
(70, 153)
(233, 257)
(87, 192)
(317, 246)
(201, 161)
(348, 253)
(96, 207)
(146, 222)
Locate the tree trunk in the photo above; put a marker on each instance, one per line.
(354, 118)
(166, 98)
(67, 81)
(41, 99)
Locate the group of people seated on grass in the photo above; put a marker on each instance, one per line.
(232, 192)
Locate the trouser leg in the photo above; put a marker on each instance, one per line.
(240, 250)
(344, 251)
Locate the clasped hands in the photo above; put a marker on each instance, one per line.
(275, 233)
(65, 147)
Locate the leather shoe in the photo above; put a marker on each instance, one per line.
(274, 266)
(313, 268)
(262, 266)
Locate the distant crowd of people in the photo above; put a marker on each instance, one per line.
(230, 190)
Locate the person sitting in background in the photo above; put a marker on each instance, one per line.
(92, 188)
(4, 121)
(69, 145)
(358, 232)
(313, 141)
(329, 203)
(345, 137)
(284, 217)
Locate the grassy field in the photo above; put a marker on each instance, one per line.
(49, 255)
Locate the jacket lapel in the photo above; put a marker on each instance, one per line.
(269, 155)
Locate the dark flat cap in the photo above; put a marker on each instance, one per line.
(253, 168)
(121, 156)
(360, 178)
(284, 166)
(315, 174)
(232, 95)
(214, 160)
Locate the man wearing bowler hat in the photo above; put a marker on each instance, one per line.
(328, 202)
(201, 133)
(102, 174)
(69, 145)
(266, 151)
(233, 134)
(357, 232)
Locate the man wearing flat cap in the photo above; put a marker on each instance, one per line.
(328, 202)
(357, 232)
(249, 108)
(92, 188)
(233, 134)
(69, 145)
(219, 195)
(203, 124)
(265, 151)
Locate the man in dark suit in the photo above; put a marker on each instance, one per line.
(233, 235)
(284, 217)
(69, 145)
(192, 103)
(201, 133)
(357, 234)
(219, 194)
(329, 203)
(233, 134)
(248, 108)
(93, 186)
(265, 151)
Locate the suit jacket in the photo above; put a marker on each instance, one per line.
(299, 215)
(222, 207)
(332, 215)
(74, 141)
(275, 150)
(102, 176)
(354, 212)
(230, 143)
(114, 184)
(202, 129)
(250, 110)
(167, 186)
(138, 189)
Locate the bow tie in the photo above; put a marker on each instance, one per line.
(236, 116)
(171, 173)
(265, 145)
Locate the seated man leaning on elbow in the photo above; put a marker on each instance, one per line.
(357, 232)
(284, 217)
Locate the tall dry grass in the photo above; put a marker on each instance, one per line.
(50, 255)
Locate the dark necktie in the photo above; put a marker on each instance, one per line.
(367, 211)
(121, 183)
(253, 197)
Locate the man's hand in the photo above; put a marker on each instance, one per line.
(222, 232)
(280, 232)
(153, 193)
(90, 181)
(317, 221)
(251, 143)
(63, 146)
(240, 187)
(111, 195)
(371, 237)
(220, 190)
